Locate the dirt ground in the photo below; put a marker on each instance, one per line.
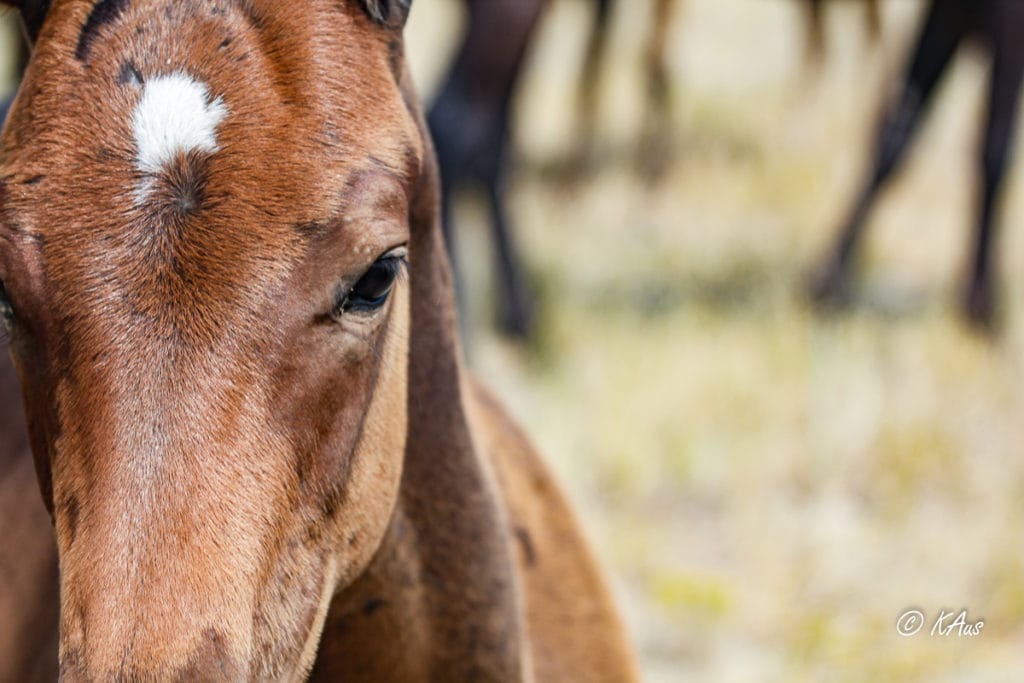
(770, 488)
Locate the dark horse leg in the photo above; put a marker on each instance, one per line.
(944, 29)
(469, 122)
(515, 313)
(1000, 126)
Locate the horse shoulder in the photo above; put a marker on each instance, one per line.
(575, 632)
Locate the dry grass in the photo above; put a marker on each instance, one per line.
(769, 487)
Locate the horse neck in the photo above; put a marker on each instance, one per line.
(441, 589)
(13, 438)
(29, 605)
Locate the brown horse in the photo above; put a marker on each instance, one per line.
(231, 314)
(998, 26)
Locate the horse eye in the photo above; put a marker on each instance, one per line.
(373, 288)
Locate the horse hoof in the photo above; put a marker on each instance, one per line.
(980, 310)
(516, 321)
(830, 288)
(654, 158)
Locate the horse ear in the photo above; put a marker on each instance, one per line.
(33, 12)
(388, 12)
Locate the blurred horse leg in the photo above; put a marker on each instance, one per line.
(590, 78)
(469, 122)
(1000, 127)
(655, 142)
(515, 304)
(814, 29)
(515, 312)
(657, 55)
(942, 33)
(447, 223)
(874, 18)
(447, 118)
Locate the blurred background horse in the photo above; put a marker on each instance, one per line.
(471, 120)
(998, 26)
(471, 117)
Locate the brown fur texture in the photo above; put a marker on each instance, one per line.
(245, 486)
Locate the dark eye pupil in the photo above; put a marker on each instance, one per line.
(376, 282)
(371, 291)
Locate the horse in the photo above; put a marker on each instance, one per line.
(997, 26)
(470, 118)
(470, 121)
(231, 318)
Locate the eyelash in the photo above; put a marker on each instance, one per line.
(377, 283)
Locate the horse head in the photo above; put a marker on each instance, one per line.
(211, 214)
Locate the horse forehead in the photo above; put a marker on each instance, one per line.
(175, 115)
(186, 146)
(176, 74)
(199, 105)
(175, 165)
